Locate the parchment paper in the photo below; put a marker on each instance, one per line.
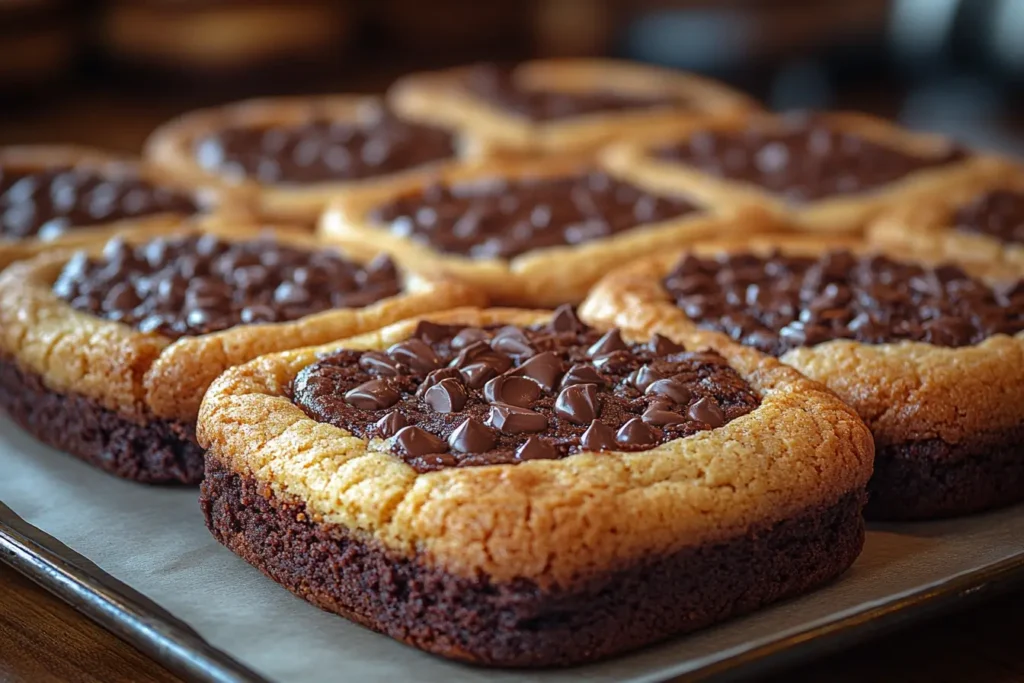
(154, 540)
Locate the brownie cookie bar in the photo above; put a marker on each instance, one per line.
(286, 157)
(69, 196)
(514, 488)
(931, 357)
(107, 354)
(821, 172)
(981, 222)
(530, 232)
(551, 106)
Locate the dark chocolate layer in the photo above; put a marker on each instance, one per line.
(154, 452)
(933, 479)
(998, 214)
(520, 624)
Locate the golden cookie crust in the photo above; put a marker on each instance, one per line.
(438, 97)
(551, 521)
(146, 375)
(902, 390)
(48, 156)
(847, 213)
(544, 277)
(170, 149)
(925, 225)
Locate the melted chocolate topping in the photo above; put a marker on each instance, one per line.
(322, 150)
(186, 286)
(499, 87)
(998, 214)
(778, 303)
(47, 203)
(505, 218)
(453, 396)
(804, 161)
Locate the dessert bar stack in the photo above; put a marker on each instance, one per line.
(528, 366)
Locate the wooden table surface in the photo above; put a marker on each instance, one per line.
(43, 640)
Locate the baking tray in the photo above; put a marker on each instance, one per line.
(138, 561)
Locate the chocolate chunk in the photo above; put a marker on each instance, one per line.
(512, 420)
(436, 376)
(659, 415)
(672, 389)
(481, 352)
(415, 354)
(544, 369)
(663, 346)
(598, 437)
(390, 424)
(512, 341)
(377, 363)
(415, 442)
(469, 336)
(636, 433)
(476, 375)
(472, 436)
(645, 377)
(515, 391)
(578, 403)
(536, 448)
(583, 374)
(708, 411)
(564, 319)
(430, 332)
(447, 396)
(373, 395)
(610, 342)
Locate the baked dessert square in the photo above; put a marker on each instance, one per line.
(561, 105)
(535, 232)
(63, 196)
(106, 353)
(284, 158)
(827, 172)
(979, 221)
(931, 355)
(513, 488)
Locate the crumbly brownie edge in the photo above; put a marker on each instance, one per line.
(932, 479)
(155, 452)
(520, 624)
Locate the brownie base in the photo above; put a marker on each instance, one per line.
(520, 624)
(933, 479)
(154, 452)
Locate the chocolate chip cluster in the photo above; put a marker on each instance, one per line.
(778, 303)
(46, 203)
(804, 161)
(182, 286)
(456, 396)
(998, 214)
(322, 150)
(503, 218)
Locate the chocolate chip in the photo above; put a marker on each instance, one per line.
(514, 420)
(373, 395)
(544, 369)
(636, 433)
(512, 341)
(610, 342)
(672, 389)
(583, 374)
(377, 363)
(390, 424)
(663, 346)
(435, 376)
(447, 396)
(708, 411)
(469, 336)
(415, 354)
(476, 375)
(564, 319)
(598, 437)
(481, 352)
(515, 391)
(415, 442)
(644, 377)
(430, 332)
(578, 403)
(659, 416)
(472, 436)
(536, 448)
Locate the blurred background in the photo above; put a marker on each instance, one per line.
(107, 72)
